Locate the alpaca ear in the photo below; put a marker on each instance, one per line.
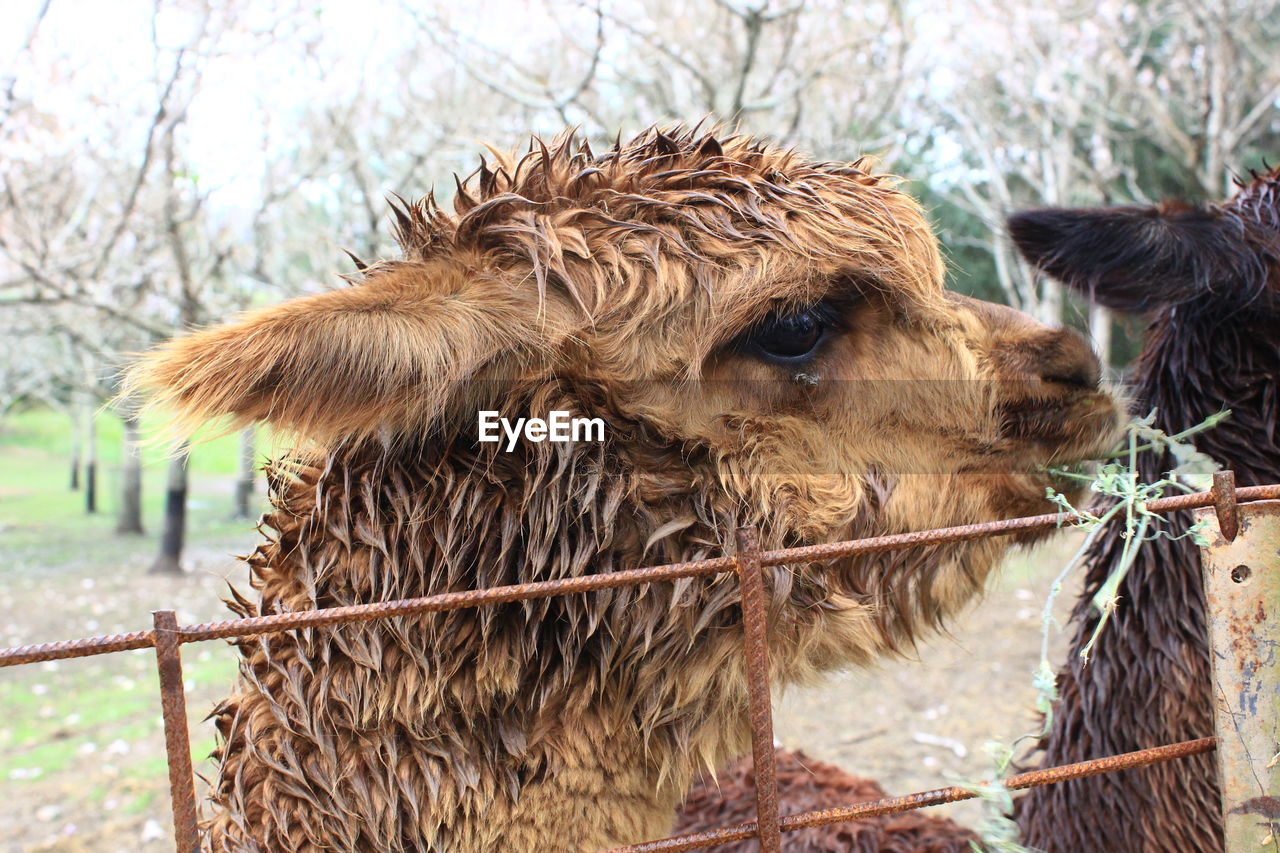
(385, 355)
(1132, 258)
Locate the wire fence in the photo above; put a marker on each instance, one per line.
(748, 563)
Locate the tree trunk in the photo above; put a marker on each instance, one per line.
(1100, 334)
(243, 508)
(1052, 299)
(169, 560)
(91, 461)
(77, 432)
(130, 519)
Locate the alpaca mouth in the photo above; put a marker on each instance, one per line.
(1053, 421)
(1092, 427)
(1056, 444)
(1063, 432)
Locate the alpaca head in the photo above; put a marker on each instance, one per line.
(767, 341)
(1220, 260)
(1208, 280)
(748, 323)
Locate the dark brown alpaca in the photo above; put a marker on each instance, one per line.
(805, 785)
(1209, 280)
(768, 342)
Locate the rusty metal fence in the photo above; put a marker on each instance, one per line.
(167, 637)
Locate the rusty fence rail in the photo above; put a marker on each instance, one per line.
(167, 636)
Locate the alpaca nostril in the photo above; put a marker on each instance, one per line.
(1082, 376)
(1072, 363)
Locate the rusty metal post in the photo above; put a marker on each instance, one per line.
(177, 741)
(1224, 504)
(754, 627)
(1242, 596)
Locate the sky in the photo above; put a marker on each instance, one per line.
(95, 63)
(102, 57)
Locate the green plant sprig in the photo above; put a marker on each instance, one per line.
(1116, 477)
(1119, 480)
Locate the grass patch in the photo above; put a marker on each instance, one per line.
(40, 513)
(141, 802)
(63, 717)
(49, 432)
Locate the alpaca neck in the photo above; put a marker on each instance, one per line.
(574, 722)
(1194, 367)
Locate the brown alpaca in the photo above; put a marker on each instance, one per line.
(768, 342)
(1209, 280)
(805, 784)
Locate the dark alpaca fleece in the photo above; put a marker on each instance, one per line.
(1209, 279)
(808, 785)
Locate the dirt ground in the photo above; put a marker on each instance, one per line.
(81, 745)
(913, 725)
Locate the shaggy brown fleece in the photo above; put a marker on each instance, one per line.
(768, 342)
(1209, 280)
(804, 785)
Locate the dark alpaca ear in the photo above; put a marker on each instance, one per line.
(1133, 258)
(385, 356)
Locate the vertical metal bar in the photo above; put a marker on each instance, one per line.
(177, 742)
(1224, 503)
(754, 619)
(1242, 597)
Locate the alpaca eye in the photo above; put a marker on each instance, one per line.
(789, 337)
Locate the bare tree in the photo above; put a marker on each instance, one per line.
(1080, 103)
(76, 430)
(117, 237)
(91, 461)
(173, 533)
(129, 517)
(246, 481)
(1196, 80)
(10, 86)
(825, 75)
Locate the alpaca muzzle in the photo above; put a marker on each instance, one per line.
(1051, 403)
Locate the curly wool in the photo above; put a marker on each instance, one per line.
(804, 785)
(619, 286)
